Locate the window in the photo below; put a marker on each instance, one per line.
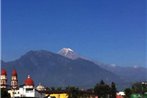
(29, 90)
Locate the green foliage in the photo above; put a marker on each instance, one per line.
(73, 92)
(48, 89)
(102, 90)
(52, 89)
(128, 92)
(113, 90)
(59, 88)
(139, 88)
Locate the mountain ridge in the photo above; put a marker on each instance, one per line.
(59, 70)
(56, 67)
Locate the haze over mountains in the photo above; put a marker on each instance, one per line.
(68, 68)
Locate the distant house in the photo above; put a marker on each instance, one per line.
(120, 94)
(57, 94)
(65, 94)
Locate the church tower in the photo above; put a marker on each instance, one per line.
(3, 77)
(14, 80)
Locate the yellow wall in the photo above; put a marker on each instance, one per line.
(63, 95)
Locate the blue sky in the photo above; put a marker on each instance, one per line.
(110, 31)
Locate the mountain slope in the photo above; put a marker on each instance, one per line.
(129, 74)
(55, 70)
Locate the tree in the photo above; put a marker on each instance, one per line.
(52, 89)
(59, 89)
(139, 87)
(102, 82)
(48, 89)
(5, 94)
(128, 92)
(102, 90)
(73, 92)
(113, 90)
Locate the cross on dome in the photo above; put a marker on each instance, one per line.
(29, 81)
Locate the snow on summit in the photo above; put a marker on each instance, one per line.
(66, 51)
(69, 53)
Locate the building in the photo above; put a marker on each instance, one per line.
(26, 90)
(57, 94)
(40, 87)
(67, 94)
(3, 81)
(120, 94)
(14, 80)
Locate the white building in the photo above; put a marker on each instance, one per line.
(40, 87)
(121, 93)
(27, 90)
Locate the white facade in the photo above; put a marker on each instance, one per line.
(40, 87)
(28, 90)
(14, 82)
(3, 81)
(25, 92)
(121, 93)
(14, 93)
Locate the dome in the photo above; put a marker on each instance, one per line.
(29, 81)
(14, 73)
(3, 72)
(40, 87)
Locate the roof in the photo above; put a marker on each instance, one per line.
(3, 72)
(29, 81)
(14, 73)
(40, 87)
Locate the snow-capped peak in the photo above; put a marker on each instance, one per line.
(135, 66)
(113, 65)
(68, 52)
